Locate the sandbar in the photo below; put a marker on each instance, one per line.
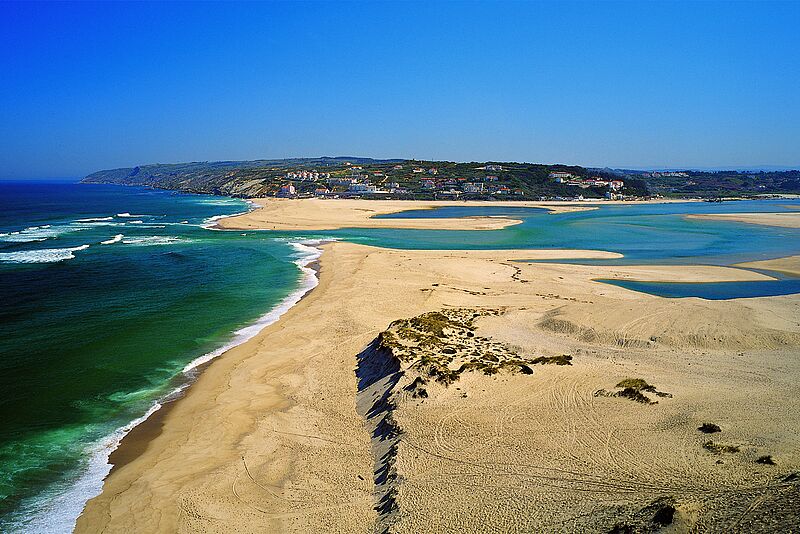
(786, 220)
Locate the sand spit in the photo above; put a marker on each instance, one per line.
(789, 265)
(331, 214)
(309, 427)
(786, 220)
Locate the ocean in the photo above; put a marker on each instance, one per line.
(110, 297)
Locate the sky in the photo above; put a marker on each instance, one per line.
(89, 86)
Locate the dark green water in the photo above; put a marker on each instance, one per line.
(106, 295)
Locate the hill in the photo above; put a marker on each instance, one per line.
(419, 179)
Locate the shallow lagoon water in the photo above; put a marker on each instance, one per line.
(642, 233)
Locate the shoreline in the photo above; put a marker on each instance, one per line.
(131, 440)
(135, 442)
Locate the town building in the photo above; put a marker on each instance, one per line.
(362, 188)
(470, 187)
(561, 177)
(287, 191)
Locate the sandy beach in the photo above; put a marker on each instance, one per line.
(786, 220)
(318, 425)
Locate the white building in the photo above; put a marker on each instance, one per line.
(470, 187)
(362, 188)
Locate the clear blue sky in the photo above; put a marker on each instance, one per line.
(89, 86)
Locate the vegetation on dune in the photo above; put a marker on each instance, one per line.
(635, 383)
(720, 448)
(441, 345)
(564, 359)
(632, 388)
(709, 428)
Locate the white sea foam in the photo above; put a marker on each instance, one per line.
(94, 224)
(95, 219)
(40, 233)
(218, 201)
(58, 514)
(116, 239)
(209, 223)
(45, 255)
(136, 222)
(153, 240)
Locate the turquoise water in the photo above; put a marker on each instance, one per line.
(643, 233)
(108, 293)
(109, 296)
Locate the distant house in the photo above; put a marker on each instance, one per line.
(397, 167)
(418, 170)
(307, 176)
(450, 193)
(362, 188)
(616, 184)
(493, 167)
(342, 180)
(561, 177)
(491, 178)
(287, 191)
(519, 192)
(433, 170)
(470, 187)
(321, 191)
(428, 184)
